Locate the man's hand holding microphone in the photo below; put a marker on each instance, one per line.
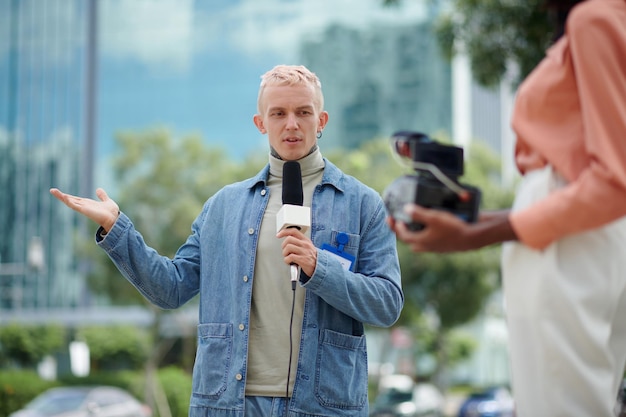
(292, 221)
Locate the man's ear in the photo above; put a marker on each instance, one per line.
(323, 119)
(258, 122)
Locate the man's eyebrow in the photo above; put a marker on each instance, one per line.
(305, 107)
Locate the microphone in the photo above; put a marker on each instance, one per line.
(293, 213)
(292, 184)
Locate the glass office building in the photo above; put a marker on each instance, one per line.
(46, 141)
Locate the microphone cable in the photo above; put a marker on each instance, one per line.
(293, 307)
(292, 194)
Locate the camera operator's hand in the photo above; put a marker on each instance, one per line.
(442, 231)
(445, 232)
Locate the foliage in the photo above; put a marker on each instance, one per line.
(494, 34)
(483, 168)
(372, 163)
(116, 347)
(177, 385)
(25, 345)
(460, 345)
(18, 387)
(166, 180)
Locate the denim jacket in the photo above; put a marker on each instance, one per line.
(217, 262)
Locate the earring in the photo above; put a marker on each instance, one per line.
(319, 134)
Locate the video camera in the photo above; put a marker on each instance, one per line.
(435, 183)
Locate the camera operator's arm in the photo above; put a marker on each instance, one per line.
(488, 215)
(445, 232)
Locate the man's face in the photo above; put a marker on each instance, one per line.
(290, 117)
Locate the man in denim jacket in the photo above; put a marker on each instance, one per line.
(264, 348)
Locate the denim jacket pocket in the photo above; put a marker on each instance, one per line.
(341, 377)
(213, 357)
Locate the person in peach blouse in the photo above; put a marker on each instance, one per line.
(564, 239)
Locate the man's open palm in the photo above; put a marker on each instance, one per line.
(103, 212)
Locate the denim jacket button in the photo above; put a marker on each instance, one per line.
(245, 278)
(250, 231)
(263, 191)
(239, 377)
(241, 327)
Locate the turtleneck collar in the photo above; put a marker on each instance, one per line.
(310, 164)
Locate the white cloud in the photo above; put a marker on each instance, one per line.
(155, 32)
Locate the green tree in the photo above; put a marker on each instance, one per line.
(373, 163)
(26, 345)
(494, 34)
(115, 347)
(165, 181)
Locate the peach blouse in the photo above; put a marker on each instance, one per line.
(570, 113)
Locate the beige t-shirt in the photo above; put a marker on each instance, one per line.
(270, 313)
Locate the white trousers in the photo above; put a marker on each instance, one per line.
(566, 315)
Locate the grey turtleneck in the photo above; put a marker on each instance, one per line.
(270, 315)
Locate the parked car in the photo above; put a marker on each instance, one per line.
(100, 401)
(489, 402)
(400, 396)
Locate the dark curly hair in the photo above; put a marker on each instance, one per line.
(558, 11)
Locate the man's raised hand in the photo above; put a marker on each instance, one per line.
(103, 212)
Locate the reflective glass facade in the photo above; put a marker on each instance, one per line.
(44, 142)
